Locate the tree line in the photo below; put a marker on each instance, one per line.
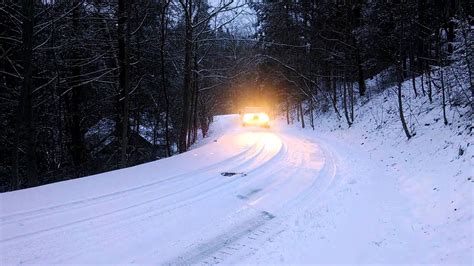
(88, 86)
(322, 52)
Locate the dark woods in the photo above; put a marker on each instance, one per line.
(323, 52)
(88, 86)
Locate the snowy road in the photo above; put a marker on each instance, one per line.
(291, 200)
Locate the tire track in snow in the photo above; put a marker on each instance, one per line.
(270, 168)
(205, 251)
(322, 184)
(326, 179)
(246, 238)
(197, 196)
(18, 217)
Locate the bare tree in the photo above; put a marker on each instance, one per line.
(123, 33)
(25, 124)
(163, 34)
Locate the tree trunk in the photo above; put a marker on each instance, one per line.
(401, 76)
(25, 117)
(16, 156)
(351, 97)
(163, 26)
(187, 82)
(77, 146)
(297, 113)
(301, 113)
(430, 88)
(123, 32)
(344, 103)
(332, 83)
(412, 70)
(429, 79)
(191, 112)
(450, 34)
(423, 84)
(154, 154)
(192, 132)
(400, 102)
(443, 94)
(413, 83)
(360, 74)
(196, 95)
(203, 118)
(287, 111)
(441, 74)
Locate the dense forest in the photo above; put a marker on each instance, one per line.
(324, 51)
(88, 86)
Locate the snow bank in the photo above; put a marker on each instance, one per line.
(434, 170)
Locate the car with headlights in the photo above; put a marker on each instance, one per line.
(255, 116)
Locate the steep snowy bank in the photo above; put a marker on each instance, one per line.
(433, 170)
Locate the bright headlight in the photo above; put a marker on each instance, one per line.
(247, 117)
(263, 117)
(255, 118)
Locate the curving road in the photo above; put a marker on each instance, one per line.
(247, 195)
(177, 210)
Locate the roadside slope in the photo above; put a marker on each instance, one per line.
(432, 174)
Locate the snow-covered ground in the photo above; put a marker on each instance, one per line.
(433, 173)
(333, 195)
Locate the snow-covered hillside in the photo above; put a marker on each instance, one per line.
(283, 195)
(433, 171)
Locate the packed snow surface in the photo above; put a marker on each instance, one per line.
(244, 195)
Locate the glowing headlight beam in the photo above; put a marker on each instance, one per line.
(263, 117)
(248, 118)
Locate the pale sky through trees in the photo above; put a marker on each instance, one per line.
(241, 19)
